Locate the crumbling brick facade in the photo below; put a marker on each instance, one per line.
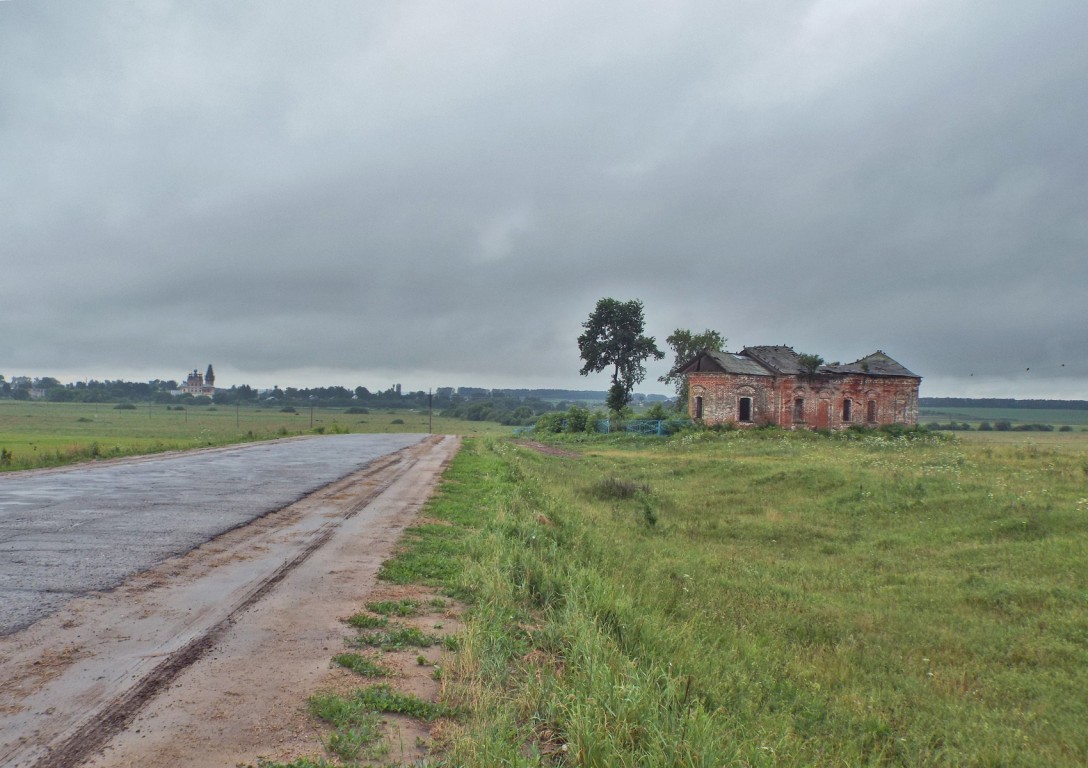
(770, 385)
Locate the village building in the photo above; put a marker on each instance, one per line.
(777, 386)
(198, 384)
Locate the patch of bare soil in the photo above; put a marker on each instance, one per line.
(205, 662)
(415, 671)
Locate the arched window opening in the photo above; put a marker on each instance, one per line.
(799, 411)
(847, 408)
(870, 413)
(745, 409)
(698, 407)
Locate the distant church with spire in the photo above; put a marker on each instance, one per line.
(197, 384)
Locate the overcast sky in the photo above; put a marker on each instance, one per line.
(437, 193)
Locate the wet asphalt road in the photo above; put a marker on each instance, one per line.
(69, 532)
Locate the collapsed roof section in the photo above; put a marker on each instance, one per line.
(784, 361)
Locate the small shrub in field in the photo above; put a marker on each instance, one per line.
(574, 420)
(613, 488)
(357, 410)
(397, 421)
(288, 409)
(124, 407)
(551, 423)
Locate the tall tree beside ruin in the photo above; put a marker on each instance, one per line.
(614, 337)
(686, 345)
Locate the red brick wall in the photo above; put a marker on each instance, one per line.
(895, 400)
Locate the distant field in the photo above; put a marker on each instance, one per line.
(1077, 440)
(974, 416)
(36, 434)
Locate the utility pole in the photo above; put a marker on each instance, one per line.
(430, 412)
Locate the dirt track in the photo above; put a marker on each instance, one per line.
(205, 659)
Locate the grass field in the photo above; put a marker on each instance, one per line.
(766, 599)
(1078, 419)
(38, 434)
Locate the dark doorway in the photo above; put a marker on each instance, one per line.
(745, 409)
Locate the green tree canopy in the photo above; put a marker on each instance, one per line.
(810, 362)
(686, 345)
(614, 337)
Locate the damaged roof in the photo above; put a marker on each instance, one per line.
(725, 362)
(876, 364)
(779, 359)
(784, 361)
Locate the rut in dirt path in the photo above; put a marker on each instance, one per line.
(160, 623)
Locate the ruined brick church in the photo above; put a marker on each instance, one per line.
(773, 385)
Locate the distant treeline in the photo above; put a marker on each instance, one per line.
(513, 411)
(566, 395)
(506, 406)
(1000, 402)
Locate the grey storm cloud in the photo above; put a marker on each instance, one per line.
(440, 192)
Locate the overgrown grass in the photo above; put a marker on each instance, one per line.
(403, 608)
(801, 600)
(356, 719)
(397, 638)
(364, 666)
(367, 621)
(356, 726)
(384, 698)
